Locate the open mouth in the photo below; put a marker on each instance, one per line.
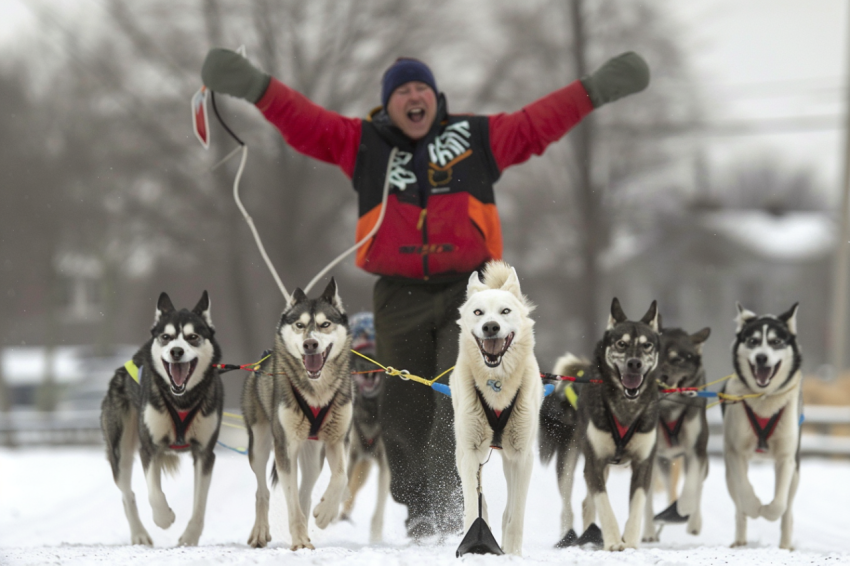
(631, 383)
(492, 349)
(314, 363)
(416, 115)
(369, 385)
(180, 372)
(764, 374)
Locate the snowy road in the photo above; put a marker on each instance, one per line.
(60, 506)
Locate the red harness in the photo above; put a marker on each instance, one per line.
(315, 415)
(182, 420)
(672, 430)
(763, 428)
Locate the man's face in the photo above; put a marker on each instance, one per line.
(412, 108)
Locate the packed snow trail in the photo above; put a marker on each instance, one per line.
(60, 506)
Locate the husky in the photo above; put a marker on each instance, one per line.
(168, 399)
(617, 424)
(299, 402)
(767, 360)
(682, 428)
(558, 425)
(366, 436)
(496, 393)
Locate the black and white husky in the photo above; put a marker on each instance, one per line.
(167, 400)
(767, 421)
(617, 424)
(299, 402)
(496, 393)
(682, 427)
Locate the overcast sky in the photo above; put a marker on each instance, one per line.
(757, 60)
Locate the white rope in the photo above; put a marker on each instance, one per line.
(371, 233)
(251, 222)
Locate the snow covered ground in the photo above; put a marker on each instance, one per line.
(60, 506)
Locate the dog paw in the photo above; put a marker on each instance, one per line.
(650, 538)
(260, 536)
(615, 547)
(772, 511)
(694, 524)
(163, 516)
(190, 537)
(324, 513)
(786, 546)
(738, 543)
(302, 545)
(141, 537)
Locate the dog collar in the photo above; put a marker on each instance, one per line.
(763, 428)
(496, 419)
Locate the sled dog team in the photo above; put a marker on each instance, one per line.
(298, 409)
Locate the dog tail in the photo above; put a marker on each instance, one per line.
(570, 364)
(170, 464)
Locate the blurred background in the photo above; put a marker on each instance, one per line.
(722, 182)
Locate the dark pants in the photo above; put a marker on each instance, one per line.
(416, 329)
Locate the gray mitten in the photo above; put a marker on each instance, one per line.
(621, 76)
(230, 73)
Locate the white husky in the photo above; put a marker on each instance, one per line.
(496, 393)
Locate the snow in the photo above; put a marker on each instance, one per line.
(60, 506)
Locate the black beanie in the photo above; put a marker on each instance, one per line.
(403, 71)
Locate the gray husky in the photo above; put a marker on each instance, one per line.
(767, 369)
(168, 399)
(682, 427)
(299, 402)
(616, 424)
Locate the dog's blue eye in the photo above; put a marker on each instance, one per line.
(506, 311)
(478, 312)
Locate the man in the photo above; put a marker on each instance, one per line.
(440, 224)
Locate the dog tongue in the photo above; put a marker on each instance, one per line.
(179, 373)
(493, 346)
(763, 375)
(632, 380)
(314, 362)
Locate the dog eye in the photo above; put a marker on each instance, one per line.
(192, 337)
(299, 325)
(506, 311)
(325, 324)
(621, 344)
(776, 342)
(478, 312)
(165, 337)
(752, 342)
(648, 346)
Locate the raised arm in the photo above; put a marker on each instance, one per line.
(307, 127)
(517, 136)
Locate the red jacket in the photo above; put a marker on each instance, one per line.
(444, 249)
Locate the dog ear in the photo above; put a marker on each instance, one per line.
(651, 317)
(202, 309)
(297, 296)
(617, 315)
(744, 316)
(163, 306)
(474, 284)
(511, 284)
(790, 318)
(701, 336)
(331, 295)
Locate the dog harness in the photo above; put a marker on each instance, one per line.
(671, 429)
(496, 419)
(621, 435)
(763, 428)
(182, 420)
(315, 415)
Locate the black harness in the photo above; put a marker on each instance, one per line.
(763, 428)
(620, 434)
(315, 415)
(496, 419)
(182, 421)
(672, 432)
